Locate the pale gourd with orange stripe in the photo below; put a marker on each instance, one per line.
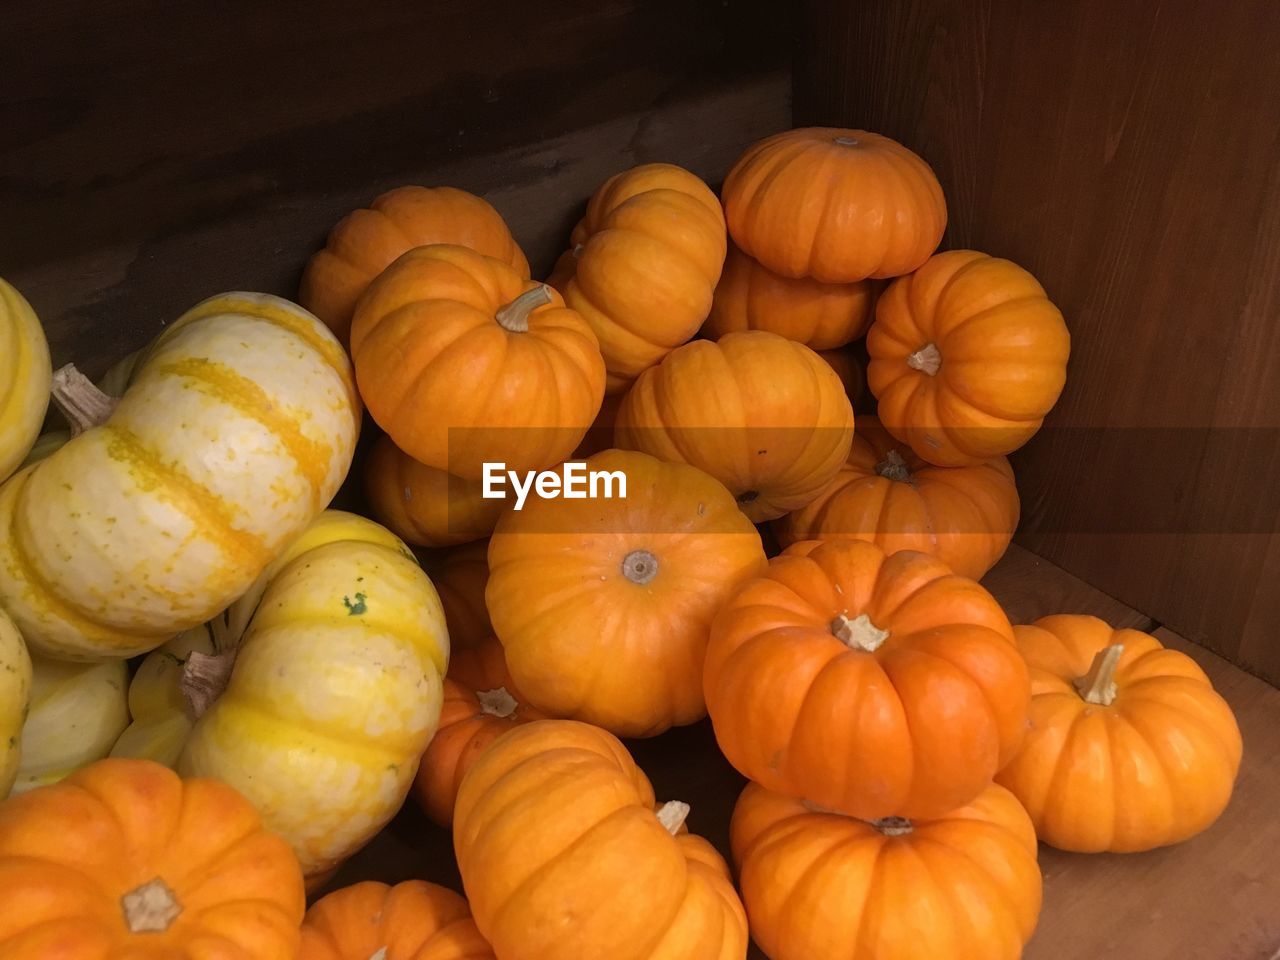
(24, 378)
(236, 429)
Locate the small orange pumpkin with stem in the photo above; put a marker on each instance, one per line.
(1129, 747)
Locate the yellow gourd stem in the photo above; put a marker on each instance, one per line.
(77, 399)
(204, 678)
(1099, 684)
(514, 317)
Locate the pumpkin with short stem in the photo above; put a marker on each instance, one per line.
(236, 429)
(967, 357)
(962, 884)
(481, 703)
(835, 205)
(823, 316)
(1129, 747)
(965, 516)
(848, 367)
(460, 576)
(763, 415)
(413, 920)
(366, 241)
(564, 855)
(423, 505)
(125, 860)
(463, 361)
(603, 604)
(643, 265)
(77, 711)
(25, 375)
(868, 684)
(15, 693)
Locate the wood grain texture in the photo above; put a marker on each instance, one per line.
(1127, 155)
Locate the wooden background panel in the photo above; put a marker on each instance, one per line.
(1127, 154)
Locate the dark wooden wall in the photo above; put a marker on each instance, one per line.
(153, 153)
(1129, 155)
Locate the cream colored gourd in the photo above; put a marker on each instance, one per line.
(236, 429)
(25, 374)
(77, 712)
(15, 691)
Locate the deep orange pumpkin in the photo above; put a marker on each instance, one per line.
(366, 241)
(464, 362)
(835, 205)
(460, 576)
(965, 516)
(967, 357)
(875, 686)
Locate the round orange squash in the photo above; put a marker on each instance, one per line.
(818, 885)
(964, 516)
(481, 703)
(835, 205)
(644, 265)
(366, 241)
(844, 361)
(414, 920)
(823, 316)
(874, 686)
(563, 856)
(460, 576)
(604, 605)
(425, 506)
(967, 357)
(1129, 748)
(124, 861)
(763, 415)
(462, 361)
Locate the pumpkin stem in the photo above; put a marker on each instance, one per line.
(640, 566)
(577, 250)
(846, 141)
(514, 317)
(893, 467)
(150, 908)
(204, 678)
(1099, 684)
(497, 703)
(893, 826)
(379, 954)
(673, 814)
(859, 633)
(927, 359)
(77, 399)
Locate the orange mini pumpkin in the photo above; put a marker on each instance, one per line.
(833, 204)
(463, 362)
(414, 920)
(460, 576)
(765, 416)
(481, 703)
(604, 605)
(366, 241)
(818, 885)
(644, 265)
(965, 516)
(425, 506)
(563, 856)
(967, 357)
(823, 316)
(1130, 747)
(122, 860)
(875, 686)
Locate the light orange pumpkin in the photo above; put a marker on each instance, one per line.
(967, 357)
(463, 362)
(603, 605)
(563, 856)
(835, 205)
(823, 316)
(643, 265)
(961, 886)
(425, 506)
(763, 415)
(414, 920)
(1129, 747)
(460, 576)
(124, 861)
(366, 241)
(875, 686)
(965, 516)
(481, 703)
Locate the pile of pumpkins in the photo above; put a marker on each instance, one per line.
(235, 687)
